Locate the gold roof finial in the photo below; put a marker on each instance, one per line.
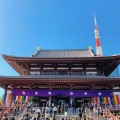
(90, 47)
(38, 48)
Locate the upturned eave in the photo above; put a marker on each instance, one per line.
(18, 62)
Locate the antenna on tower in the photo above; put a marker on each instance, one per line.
(96, 27)
(97, 37)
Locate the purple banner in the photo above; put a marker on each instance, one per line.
(71, 93)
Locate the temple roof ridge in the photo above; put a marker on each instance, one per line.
(64, 53)
(62, 49)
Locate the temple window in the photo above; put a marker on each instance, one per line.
(62, 73)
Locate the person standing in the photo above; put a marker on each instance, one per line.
(62, 118)
(52, 105)
(73, 110)
(71, 103)
(15, 110)
(38, 117)
(84, 117)
(5, 117)
(39, 111)
(55, 109)
(51, 111)
(80, 113)
(27, 118)
(12, 118)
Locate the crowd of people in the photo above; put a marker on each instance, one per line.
(49, 113)
(46, 112)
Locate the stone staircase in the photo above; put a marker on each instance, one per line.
(109, 114)
(95, 117)
(98, 118)
(20, 115)
(106, 112)
(69, 115)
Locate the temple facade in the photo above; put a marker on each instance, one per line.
(51, 76)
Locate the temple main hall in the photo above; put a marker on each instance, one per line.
(71, 75)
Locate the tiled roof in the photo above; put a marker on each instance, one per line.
(64, 53)
(57, 76)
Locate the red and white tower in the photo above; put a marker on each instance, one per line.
(97, 37)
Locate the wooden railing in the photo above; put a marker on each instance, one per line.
(5, 110)
(22, 107)
(107, 113)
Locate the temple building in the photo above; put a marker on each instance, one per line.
(77, 75)
(52, 76)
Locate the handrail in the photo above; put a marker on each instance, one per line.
(9, 110)
(109, 114)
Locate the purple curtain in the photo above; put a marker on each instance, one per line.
(71, 93)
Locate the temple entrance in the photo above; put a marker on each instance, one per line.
(60, 98)
(82, 101)
(41, 101)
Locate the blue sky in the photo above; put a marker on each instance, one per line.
(56, 24)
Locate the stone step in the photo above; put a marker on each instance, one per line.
(98, 118)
